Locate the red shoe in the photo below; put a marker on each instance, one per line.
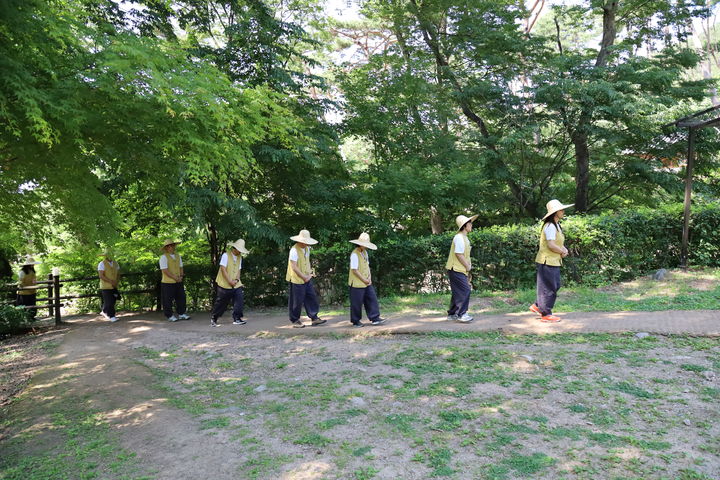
(534, 308)
(549, 319)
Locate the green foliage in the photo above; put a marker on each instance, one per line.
(12, 319)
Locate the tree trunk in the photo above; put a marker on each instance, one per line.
(582, 171)
(435, 221)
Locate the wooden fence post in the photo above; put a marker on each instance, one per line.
(56, 299)
(49, 295)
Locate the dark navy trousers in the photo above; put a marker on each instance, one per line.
(548, 284)
(302, 295)
(367, 297)
(224, 296)
(108, 301)
(460, 288)
(173, 292)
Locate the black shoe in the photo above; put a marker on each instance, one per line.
(239, 321)
(298, 325)
(317, 321)
(378, 321)
(358, 325)
(214, 323)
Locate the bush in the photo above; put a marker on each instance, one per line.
(13, 319)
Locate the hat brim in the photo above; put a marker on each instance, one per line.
(306, 241)
(168, 244)
(244, 251)
(471, 219)
(562, 207)
(32, 263)
(369, 245)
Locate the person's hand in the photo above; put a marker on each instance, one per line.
(233, 282)
(367, 282)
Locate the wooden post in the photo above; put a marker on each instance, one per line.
(688, 196)
(56, 299)
(49, 295)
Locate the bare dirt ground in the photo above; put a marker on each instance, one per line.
(144, 398)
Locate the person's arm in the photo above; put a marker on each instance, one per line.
(359, 275)
(556, 248)
(463, 261)
(227, 278)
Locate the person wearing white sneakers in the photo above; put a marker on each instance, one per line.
(299, 275)
(109, 273)
(548, 260)
(172, 288)
(458, 266)
(229, 286)
(362, 291)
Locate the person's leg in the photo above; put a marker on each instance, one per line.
(312, 306)
(32, 300)
(167, 291)
(238, 303)
(464, 295)
(356, 304)
(371, 303)
(458, 282)
(546, 288)
(109, 302)
(222, 298)
(295, 301)
(180, 298)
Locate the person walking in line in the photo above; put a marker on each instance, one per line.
(229, 286)
(458, 266)
(172, 288)
(109, 273)
(27, 286)
(548, 261)
(362, 291)
(299, 275)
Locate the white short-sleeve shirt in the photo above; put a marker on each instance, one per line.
(101, 265)
(224, 260)
(550, 231)
(459, 242)
(355, 262)
(163, 261)
(294, 256)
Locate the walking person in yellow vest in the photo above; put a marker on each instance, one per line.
(109, 273)
(362, 291)
(172, 288)
(458, 266)
(548, 260)
(27, 285)
(229, 286)
(300, 274)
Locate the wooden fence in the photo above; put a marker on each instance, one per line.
(55, 297)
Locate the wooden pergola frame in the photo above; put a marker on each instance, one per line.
(709, 117)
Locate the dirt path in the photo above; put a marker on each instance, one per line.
(101, 358)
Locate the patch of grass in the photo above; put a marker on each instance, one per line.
(402, 422)
(313, 439)
(365, 473)
(690, 474)
(262, 465)
(692, 368)
(709, 394)
(630, 389)
(331, 422)
(452, 419)
(529, 464)
(217, 422)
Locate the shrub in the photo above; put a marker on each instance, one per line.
(12, 319)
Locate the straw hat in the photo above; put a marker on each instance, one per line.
(554, 206)
(304, 237)
(239, 245)
(364, 241)
(461, 220)
(170, 241)
(107, 253)
(29, 260)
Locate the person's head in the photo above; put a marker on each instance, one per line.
(555, 211)
(464, 223)
(28, 269)
(301, 245)
(28, 265)
(303, 239)
(363, 242)
(235, 251)
(170, 248)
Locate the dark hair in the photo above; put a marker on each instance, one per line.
(27, 269)
(551, 219)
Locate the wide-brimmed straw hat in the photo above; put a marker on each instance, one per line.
(461, 220)
(554, 206)
(106, 253)
(304, 237)
(239, 245)
(29, 260)
(364, 241)
(170, 241)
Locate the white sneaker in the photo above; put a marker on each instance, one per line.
(104, 314)
(184, 317)
(465, 318)
(113, 319)
(173, 319)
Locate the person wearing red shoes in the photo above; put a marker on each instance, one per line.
(362, 291)
(548, 261)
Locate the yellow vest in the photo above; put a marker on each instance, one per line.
(303, 264)
(363, 269)
(173, 267)
(233, 271)
(26, 281)
(111, 272)
(547, 256)
(452, 262)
